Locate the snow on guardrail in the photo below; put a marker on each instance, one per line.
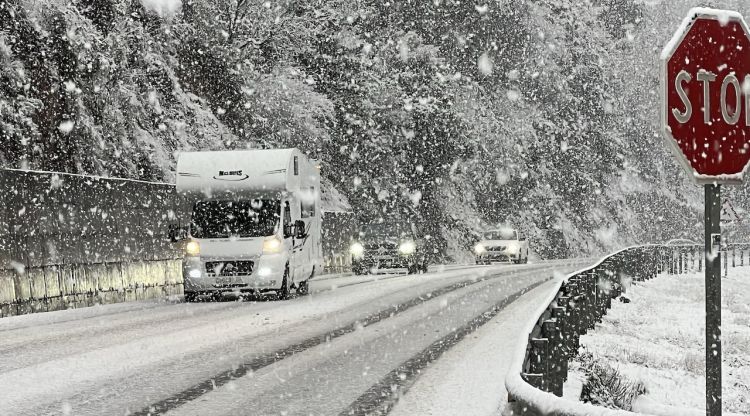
(528, 400)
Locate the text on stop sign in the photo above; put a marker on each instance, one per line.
(731, 100)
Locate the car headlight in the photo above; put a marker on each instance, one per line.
(407, 247)
(357, 250)
(272, 245)
(193, 248)
(513, 247)
(479, 248)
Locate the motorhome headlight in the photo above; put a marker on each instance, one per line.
(357, 250)
(193, 248)
(407, 247)
(479, 248)
(264, 271)
(272, 245)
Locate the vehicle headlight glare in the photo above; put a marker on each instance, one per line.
(264, 272)
(357, 250)
(479, 248)
(407, 247)
(193, 248)
(272, 245)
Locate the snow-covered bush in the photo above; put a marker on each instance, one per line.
(606, 386)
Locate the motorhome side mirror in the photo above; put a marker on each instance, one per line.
(288, 230)
(299, 229)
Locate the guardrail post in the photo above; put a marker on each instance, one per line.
(671, 262)
(692, 259)
(687, 261)
(726, 265)
(574, 312)
(559, 313)
(538, 360)
(595, 298)
(701, 256)
(679, 262)
(617, 289)
(608, 294)
(587, 299)
(530, 363)
(605, 294)
(653, 264)
(554, 358)
(567, 324)
(685, 266)
(593, 301)
(581, 305)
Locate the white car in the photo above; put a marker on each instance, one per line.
(503, 245)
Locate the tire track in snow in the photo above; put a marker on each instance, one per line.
(383, 396)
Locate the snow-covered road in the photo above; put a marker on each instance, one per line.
(341, 349)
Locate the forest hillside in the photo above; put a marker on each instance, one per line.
(542, 114)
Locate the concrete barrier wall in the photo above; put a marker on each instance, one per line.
(47, 288)
(71, 240)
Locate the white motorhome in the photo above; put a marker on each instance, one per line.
(254, 221)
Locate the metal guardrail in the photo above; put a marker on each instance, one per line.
(690, 257)
(581, 301)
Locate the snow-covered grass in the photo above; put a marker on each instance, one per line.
(658, 339)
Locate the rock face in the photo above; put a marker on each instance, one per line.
(445, 113)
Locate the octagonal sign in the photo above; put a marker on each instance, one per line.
(705, 79)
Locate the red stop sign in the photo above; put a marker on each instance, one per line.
(706, 95)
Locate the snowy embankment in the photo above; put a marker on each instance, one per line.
(659, 339)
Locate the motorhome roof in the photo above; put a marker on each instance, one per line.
(239, 172)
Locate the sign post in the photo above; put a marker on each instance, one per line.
(713, 299)
(705, 87)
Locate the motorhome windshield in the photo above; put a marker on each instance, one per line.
(501, 235)
(224, 219)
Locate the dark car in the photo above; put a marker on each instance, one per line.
(389, 245)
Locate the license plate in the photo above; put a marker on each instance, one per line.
(382, 257)
(224, 280)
